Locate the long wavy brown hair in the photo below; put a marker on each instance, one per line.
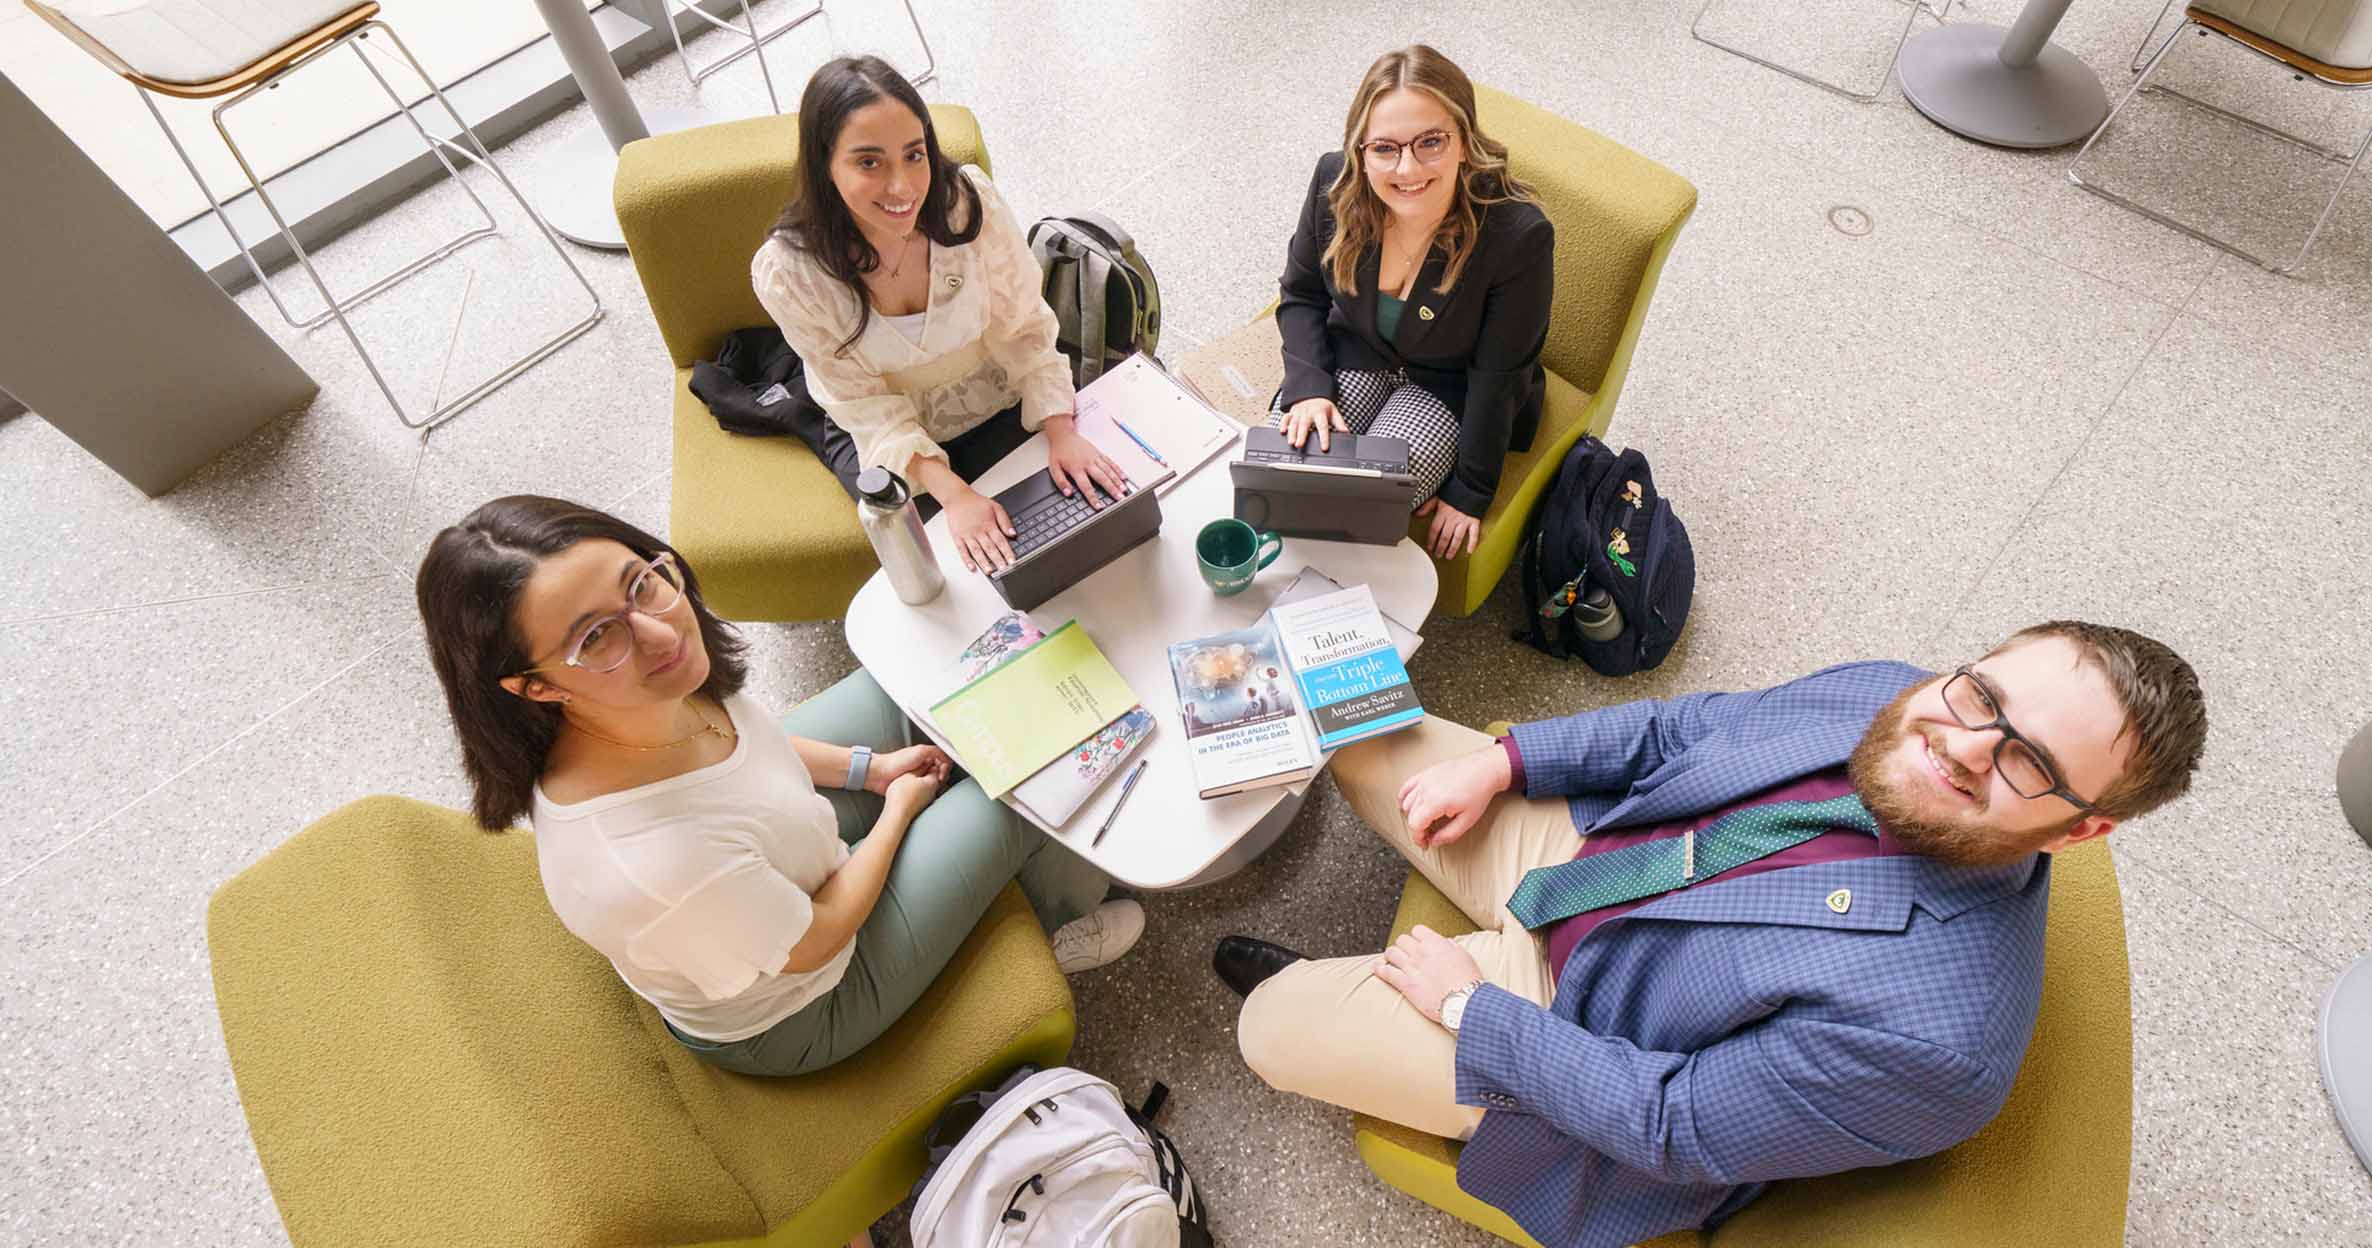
(468, 588)
(818, 223)
(1359, 215)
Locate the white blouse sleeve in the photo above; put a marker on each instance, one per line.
(731, 929)
(1021, 328)
(815, 312)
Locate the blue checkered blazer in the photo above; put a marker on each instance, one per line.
(1732, 1034)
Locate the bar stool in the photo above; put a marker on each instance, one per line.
(2327, 44)
(194, 50)
(1940, 8)
(2345, 1036)
(756, 41)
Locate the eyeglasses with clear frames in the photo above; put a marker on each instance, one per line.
(1428, 148)
(606, 643)
(2020, 762)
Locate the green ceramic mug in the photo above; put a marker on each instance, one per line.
(1230, 552)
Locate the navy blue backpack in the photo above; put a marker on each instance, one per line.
(1603, 524)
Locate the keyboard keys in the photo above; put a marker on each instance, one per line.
(1041, 525)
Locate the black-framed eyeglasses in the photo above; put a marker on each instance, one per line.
(1428, 148)
(604, 644)
(2020, 762)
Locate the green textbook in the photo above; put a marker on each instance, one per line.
(1032, 709)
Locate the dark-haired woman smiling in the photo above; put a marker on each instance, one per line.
(781, 891)
(908, 290)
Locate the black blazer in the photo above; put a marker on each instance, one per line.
(1478, 351)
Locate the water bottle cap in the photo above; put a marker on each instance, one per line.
(881, 487)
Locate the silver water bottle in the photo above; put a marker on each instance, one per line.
(1598, 617)
(885, 508)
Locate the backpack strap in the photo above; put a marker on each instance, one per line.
(1056, 242)
(1045, 248)
(1530, 631)
(964, 1113)
(1095, 276)
(1130, 267)
(1535, 633)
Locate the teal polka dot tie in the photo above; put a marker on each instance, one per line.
(1547, 894)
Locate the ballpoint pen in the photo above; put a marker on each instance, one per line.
(1126, 787)
(1142, 444)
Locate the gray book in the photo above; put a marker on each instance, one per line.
(1310, 582)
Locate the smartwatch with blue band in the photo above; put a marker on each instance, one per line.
(860, 761)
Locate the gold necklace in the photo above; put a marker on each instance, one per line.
(706, 729)
(904, 252)
(1411, 256)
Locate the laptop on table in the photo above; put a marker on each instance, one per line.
(1059, 541)
(1356, 490)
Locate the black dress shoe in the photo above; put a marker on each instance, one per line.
(1244, 963)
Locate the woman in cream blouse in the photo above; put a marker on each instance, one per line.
(909, 292)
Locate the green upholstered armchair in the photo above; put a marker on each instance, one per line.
(1617, 214)
(2050, 1169)
(427, 1057)
(770, 530)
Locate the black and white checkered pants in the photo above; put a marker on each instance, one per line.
(1385, 404)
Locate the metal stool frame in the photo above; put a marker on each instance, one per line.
(1696, 29)
(2141, 58)
(2074, 167)
(759, 39)
(334, 308)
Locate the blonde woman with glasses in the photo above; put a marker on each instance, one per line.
(1415, 297)
(780, 890)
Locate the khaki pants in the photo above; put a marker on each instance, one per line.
(1328, 1028)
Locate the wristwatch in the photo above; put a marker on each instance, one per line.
(860, 761)
(1453, 1006)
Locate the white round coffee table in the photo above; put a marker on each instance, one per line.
(1134, 607)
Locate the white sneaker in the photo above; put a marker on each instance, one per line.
(1098, 938)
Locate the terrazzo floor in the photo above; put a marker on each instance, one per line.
(2006, 401)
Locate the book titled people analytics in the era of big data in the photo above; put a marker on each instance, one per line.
(1263, 705)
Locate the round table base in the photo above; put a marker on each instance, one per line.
(2346, 1043)
(2355, 783)
(1255, 843)
(571, 184)
(1954, 75)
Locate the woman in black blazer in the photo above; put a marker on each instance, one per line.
(1416, 293)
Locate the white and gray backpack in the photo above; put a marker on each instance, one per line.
(1052, 1159)
(1107, 305)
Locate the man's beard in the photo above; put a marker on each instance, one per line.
(1961, 844)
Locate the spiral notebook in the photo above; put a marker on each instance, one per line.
(1150, 408)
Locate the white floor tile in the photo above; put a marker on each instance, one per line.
(114, 1089)
(2233, 1138)
(105, 707)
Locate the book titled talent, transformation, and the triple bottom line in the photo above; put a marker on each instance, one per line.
(1263, 705)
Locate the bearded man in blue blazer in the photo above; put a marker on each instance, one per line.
(1727, 938)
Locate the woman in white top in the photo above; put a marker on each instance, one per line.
(778, 898)
(909, 292)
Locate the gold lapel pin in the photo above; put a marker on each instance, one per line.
(955, 281)
(1841, 900)
(1424, 314)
